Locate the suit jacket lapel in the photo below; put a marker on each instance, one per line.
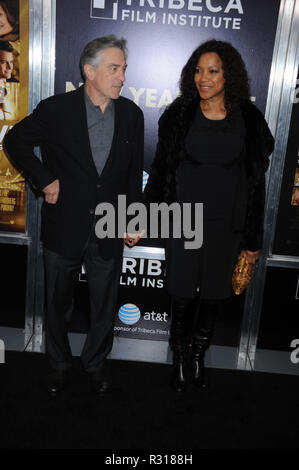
(80, 130)
(109, 165)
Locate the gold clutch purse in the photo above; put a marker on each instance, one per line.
(242, 275)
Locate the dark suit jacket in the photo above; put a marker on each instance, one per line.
(59, 126)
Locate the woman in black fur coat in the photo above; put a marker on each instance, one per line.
(214, 148)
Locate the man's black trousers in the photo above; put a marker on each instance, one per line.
(103, 281)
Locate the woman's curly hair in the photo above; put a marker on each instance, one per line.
(236, 78)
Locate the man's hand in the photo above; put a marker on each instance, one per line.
(295, 197)
(252, 256)
(51, 192)
(130, 239)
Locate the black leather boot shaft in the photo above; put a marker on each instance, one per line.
(178, 343)
(199, 346)
(203, 330)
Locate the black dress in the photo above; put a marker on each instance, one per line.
(210, 175)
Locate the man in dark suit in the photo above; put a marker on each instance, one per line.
(92, 151)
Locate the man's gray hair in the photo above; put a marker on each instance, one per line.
(91, 53)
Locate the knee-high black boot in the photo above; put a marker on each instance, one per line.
(178, 343)
(203, 330)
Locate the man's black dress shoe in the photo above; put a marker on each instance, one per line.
(57, 381)
(99, 383)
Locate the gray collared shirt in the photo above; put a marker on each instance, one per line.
(100, 130)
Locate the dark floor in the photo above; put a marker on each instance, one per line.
(241, 410)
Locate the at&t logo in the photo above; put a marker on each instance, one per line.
(129, 314)
(144, 179)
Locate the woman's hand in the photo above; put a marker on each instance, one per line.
(252, 256)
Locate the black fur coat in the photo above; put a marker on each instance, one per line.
(248, 215)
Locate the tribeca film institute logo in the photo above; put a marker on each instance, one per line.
(194, 13)
(104, 9)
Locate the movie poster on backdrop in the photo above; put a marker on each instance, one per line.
(14, 34)
(287, 228)
(161, 35)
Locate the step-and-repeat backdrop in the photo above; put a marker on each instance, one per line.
(280, 320)
(161, 36)
(287, 230)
